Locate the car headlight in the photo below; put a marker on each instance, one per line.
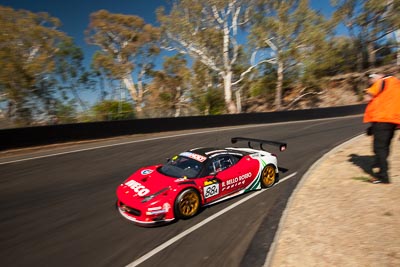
(150, 197)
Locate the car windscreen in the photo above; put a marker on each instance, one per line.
(181, 166)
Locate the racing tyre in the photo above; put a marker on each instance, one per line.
(187, 204)
(268, 176)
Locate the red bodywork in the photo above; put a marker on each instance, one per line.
(148, 196)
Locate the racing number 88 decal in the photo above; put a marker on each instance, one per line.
(211, 190)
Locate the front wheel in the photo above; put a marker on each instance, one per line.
(187, 204)
(268, 176)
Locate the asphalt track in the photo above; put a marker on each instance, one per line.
(57, 207)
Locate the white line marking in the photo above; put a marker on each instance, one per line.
(164, 137)
(126, 143)
(197, 226)
(123, 143)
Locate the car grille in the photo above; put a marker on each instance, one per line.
(129, 210)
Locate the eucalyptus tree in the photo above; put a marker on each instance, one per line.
(290, 30)
(65, 112)
(205, 95)
(108, 110)
(28, 46)
(128, 46)
(72, 74)
(208, 31)
(369, 21)
(171, 87)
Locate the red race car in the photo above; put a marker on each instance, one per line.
(196, 178)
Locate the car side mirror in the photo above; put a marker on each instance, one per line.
(214, 179)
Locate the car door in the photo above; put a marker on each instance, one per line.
(226, 176)
(238, 176)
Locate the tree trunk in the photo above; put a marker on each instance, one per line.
(397, 37)
(238, 102)
(279, 85)
(371, 54)
(79, 99)
(130, 85)
(398, 57)
(178, 105)
(230, 104)
(359, 56)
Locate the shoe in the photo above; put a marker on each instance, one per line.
(378, 181)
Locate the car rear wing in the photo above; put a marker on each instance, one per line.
(282, 146)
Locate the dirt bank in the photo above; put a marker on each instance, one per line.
(337, 218)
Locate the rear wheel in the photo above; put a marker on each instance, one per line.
(268, 176)
(187, 204)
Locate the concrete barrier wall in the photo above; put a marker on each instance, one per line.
(42, 135)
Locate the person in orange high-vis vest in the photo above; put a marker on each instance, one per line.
(383, 112)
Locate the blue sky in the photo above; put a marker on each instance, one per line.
(74, 14)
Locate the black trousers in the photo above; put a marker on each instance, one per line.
(383, 133)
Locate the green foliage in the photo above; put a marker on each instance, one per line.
(369, 22)
(211, 102)
(70, 73)
(113, 110)
(65, 113)
(263, 87)
(292, 31)
(208, 31)
(28, 59)
(128, 46)
(42, 72)
(206, 96)
(170, 86)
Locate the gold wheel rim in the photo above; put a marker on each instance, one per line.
(189, 204)
(268, 176)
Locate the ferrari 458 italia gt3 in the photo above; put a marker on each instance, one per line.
(194, 179)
